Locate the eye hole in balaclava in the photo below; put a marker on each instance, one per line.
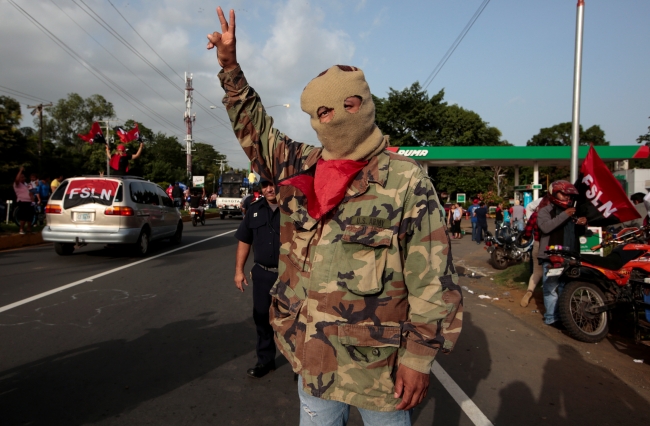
(351, 105)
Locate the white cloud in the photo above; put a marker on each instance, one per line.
(281, 46)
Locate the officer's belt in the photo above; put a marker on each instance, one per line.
(267, 268)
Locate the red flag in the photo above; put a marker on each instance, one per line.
(95, 134)
(134, 133)
(122, 134)
(602, 199)
(131, 135)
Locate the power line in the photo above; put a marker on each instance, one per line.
(97, 18)
(21, 94)
(113, 56)
(93, 70)
(453, 47)
(203, 107)
(145, 41)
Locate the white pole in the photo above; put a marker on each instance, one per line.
(535, 179)
(575, 128)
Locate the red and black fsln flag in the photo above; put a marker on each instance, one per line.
(602, 199)
(95, 135)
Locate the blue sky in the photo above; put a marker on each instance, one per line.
(514, 67)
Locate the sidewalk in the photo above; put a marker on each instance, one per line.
(475, 271)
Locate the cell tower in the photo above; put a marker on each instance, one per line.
(189, 121)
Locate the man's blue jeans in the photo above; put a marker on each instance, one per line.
(323, 412)
(474, 232)
(552, 288)
(519, 224)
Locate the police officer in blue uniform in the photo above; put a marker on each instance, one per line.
(261, 230)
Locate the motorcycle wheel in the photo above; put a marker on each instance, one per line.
(581, 325)
(194, 221)
(499, 259)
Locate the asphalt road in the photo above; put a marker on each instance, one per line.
(167, 341)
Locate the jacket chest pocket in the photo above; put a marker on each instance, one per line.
(303, 232)
(361, 257)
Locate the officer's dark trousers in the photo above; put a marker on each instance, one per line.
(263, 280)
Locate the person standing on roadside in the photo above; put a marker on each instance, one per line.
(24, 201)
(532, 231)
(43, 190)
(177, 195)
(261, 230)
(481, 222)
(557, 226)
(470, 211)
(498, 216)
(367, 293)
(518, 213)
(55, 183)
(637, 200)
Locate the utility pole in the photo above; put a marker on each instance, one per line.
(39, 109)
(189, 120)
(108, 139)
(577, 78)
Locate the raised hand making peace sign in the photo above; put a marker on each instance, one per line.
(225, 41)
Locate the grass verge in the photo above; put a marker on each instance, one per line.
(516, 276)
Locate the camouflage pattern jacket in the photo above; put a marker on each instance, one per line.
(371, 284)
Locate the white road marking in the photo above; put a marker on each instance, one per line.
(466, 404)
(102, 274)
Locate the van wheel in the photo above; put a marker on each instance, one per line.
(223, 216)
(176, 239)
(142, 245)
(63, 249)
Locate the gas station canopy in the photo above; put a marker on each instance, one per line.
(511, 156)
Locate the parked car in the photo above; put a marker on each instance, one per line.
(111, 210)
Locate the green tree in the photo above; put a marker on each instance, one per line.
(644, 138)
(560, 135)
(14, 148)
(162, 159)
(410, 117)
(72, 116)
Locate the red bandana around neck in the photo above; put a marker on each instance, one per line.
(327, 188)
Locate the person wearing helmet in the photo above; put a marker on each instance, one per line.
(558, 226)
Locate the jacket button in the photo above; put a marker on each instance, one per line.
(375, 352)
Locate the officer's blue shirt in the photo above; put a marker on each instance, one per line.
(261, 229)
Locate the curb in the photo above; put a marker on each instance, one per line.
(14, 241)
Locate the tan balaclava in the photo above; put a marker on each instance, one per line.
(349, 136)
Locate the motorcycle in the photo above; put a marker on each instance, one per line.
(198, 215)
(595, 285)
(507, 246)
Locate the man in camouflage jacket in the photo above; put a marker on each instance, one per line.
(367, 293)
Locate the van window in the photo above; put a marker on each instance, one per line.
(166, 201)
(89, 191)
(150, 194)
(58, 194)
(119, 197)
(137, 192)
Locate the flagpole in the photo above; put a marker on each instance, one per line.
(577, 73)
